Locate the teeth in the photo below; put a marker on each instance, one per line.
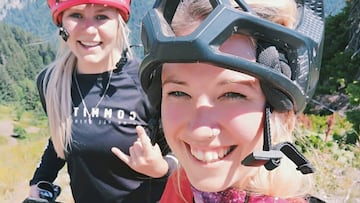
(210, 156)
(90, 43)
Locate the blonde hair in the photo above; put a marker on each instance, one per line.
(282, 181)
(283, 12)
(57, 90)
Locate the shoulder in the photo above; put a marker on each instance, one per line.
(40, 77)
(44, 73)
(131, 68)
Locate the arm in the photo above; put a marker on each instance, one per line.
(47, 169)
(149, 155)
(50, 164)
(146, 158)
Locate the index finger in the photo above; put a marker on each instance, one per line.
(144, 138)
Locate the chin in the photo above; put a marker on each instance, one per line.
(209, 184)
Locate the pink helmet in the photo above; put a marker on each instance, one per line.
(58, 6)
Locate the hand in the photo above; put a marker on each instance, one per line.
(144, 157)
(34, 192)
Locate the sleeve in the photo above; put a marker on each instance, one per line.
(175, 191)
(159, 138)
(39, 84)
(49, 165)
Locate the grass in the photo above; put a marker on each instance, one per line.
(337, 163)
(19, 159)
(337, 180)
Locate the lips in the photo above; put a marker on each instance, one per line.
(209, 156)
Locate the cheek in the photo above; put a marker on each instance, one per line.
(70, 26)
(174, 120)
(245, 128)
(110, 30)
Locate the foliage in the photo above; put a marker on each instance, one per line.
(353, 90)
(33, 20)
(19, 131)
(21, 58)
(324, 131)
(338, 69)
(335, 159)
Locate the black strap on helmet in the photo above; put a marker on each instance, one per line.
(270, 156)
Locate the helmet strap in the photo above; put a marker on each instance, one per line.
(63, 33)
(270, 156)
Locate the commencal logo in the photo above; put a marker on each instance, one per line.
(103, 116)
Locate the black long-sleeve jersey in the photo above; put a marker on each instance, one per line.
(96, 174)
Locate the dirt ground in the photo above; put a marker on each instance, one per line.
(22, 188)
(6, 130)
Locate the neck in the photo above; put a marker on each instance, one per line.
(90, 67)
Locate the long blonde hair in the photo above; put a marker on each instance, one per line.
(57, 90)
(282, 181)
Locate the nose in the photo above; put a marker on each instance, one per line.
(88, 25)
(203, 124)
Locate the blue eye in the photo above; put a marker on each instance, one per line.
(177, 94)
(101, 17)
(76, 15)
(233, 95)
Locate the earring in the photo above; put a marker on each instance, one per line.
(63, 33)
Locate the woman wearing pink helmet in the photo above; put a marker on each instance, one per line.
(94, 102)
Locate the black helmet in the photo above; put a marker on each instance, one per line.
(287, 86)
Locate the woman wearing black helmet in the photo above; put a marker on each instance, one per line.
(228, 84)
(93, 99)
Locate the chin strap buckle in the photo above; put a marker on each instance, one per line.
(272, 158)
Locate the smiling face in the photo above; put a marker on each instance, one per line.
(93, 36)
(212, 117)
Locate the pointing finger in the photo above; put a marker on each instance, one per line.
(144, 139)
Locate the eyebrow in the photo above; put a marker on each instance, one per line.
(172, 79)
(250, 83)
(247, 81)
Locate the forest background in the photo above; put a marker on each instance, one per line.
(329, 126)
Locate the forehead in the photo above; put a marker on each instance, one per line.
(201, 71)
(240, 46)
(237, 45)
